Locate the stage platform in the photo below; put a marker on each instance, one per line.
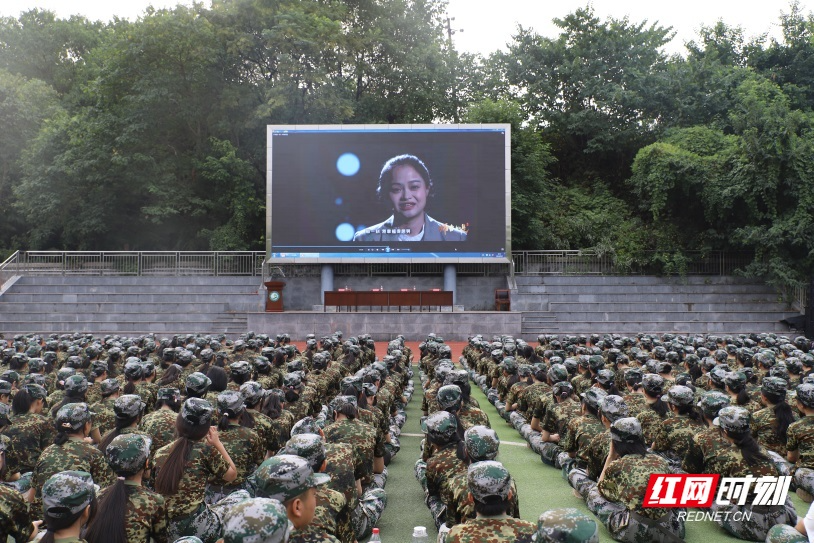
(383, 326)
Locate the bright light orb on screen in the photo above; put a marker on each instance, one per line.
(345, 231)
(348, 164)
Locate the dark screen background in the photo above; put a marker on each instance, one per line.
(310, 198)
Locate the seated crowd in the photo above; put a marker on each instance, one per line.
(197, 438)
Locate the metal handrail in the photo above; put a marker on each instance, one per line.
(141, 263)
(8, 268)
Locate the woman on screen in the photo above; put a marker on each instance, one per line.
(406, 182)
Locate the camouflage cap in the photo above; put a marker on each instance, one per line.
(64, 373)
(735, 380)
(712, 402)
(197, 411)
(566, 526)
(557, 373)
(286, 476)
(341, 401)
(230, 403)
(596, 362)
(652, 383)
(774, 385)
(563, 389)
(441, 426)
(36, 391)
(168, 394)
(488, 479)
(626, 430)
(11, 376)
(679, 396)
(256, 520)
(308, 446)
(457, 377)
(133, 368)
(127, 454)
(35, 364)
(605, 377)
(718, 374)
(5, 412)
(128, 406)
(592, 396)
(613, 407)
(481, 443)
(198, 383)
(76, 383)
(109, 386)
(241, 367)
(5, 387)
(66, 494)
(292, 380)
(805, 394)
(306, 425)
(634, 375)
(449, 397)
(252, 391)
(733, 419)
(73, 416)
(34, 378)
(294, 365)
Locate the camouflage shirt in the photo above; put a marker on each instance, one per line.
(441, 468)
(595, 454)
(160, 425)
(703, 452)
(331, 511)
(245, 449)
(581, 383)
(801, 437)
(557, 417)
(635, 403)
(15, 520)
(492, 529)
(650, 421)
(30, 434)
(204, 464)
(626, 480)
(763, 425)
(339, 458)
(146, 515)
(266, 429)
(676, 433)
(74, 454)
(472, 416)
(361, 437)
(730, 463)
(531, 395)
(460, 509)
(311, 534)
(105, 417)
(581, 431)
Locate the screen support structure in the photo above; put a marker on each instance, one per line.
(326, 280)
(451, 280)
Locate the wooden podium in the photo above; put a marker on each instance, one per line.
(274, 296)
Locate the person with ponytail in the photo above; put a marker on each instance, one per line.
(746, 458)
(800, 443)
(134, 374)
(735, 383)
(184, 467)
(554, 423)
(281, 418)
(245, 448)
(446, 461)
(30, 431)
(656, 410)
(160, 423)
(98, 373)
(15, 518)
(674, 436)
(70, 451)
(68, 504)
(770, 425)
(129, 409)
(241, 372)
(75, 388)
(128, 512)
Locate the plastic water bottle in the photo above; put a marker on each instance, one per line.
(375, 536)
(420, 535)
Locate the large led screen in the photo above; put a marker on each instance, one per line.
(395, 193)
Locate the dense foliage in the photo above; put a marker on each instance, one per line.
(150, 134)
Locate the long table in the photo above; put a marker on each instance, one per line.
(354, 299)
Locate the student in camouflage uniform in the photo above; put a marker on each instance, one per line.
(160, 424)
(255, 520)
(747, 458)
(611, 409)
(128, 512)
(770, 425)
(241, 442)
(675, 434)
(617, 498)
(705, 445)
(332, 514)
(254, 395)
(70, 451)
(68, 503)
(104, 417)
(800, 444)
(183, 469)
(290, 480)
(441, 429)
(581, 430)
(566, 525)
(30, 431)
(15, 519)
(555, 423)
(656, 411)
(490, 488)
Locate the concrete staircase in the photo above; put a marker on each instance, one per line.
(129, 305)
(632, 304)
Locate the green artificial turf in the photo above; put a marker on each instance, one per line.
(540, 487)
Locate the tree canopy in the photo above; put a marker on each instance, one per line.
(150, 134)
